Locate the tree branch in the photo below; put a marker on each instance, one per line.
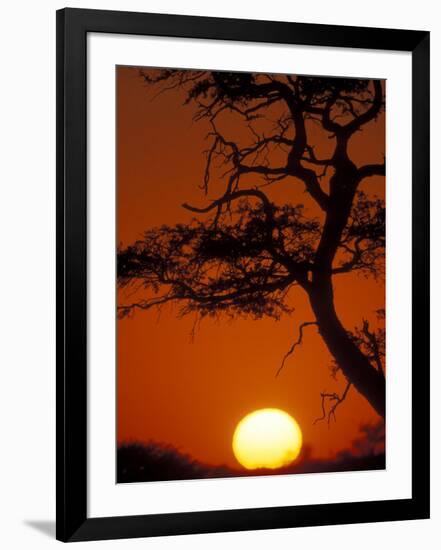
(371, 113)
(295, 344)
(372, 170)
(372, 339)
(298, 270)
(336, 399)
(228, 197)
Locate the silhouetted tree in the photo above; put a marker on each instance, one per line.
(153, 461)
(244, 253)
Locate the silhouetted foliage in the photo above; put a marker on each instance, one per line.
(138, 462)
(244, 253)
(248, 279)
(155, 462)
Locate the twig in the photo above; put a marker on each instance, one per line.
(337, 401)
(295, 344)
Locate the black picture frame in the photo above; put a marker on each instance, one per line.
(72, 521)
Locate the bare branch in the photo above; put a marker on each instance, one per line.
(313, 159)
(372, 170)
(125, 310)
(371, 113)
(295, 344)
(336, 400)
(228, 197)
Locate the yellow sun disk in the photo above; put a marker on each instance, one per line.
(267, 438)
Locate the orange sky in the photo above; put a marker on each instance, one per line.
(192, 394)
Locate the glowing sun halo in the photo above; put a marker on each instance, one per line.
(267, 438)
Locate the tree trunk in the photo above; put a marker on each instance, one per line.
(355, 366)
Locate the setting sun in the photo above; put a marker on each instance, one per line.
(267, 438)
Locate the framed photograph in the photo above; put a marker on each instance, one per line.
(242, 274)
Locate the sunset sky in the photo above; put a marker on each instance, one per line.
(192, 393)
